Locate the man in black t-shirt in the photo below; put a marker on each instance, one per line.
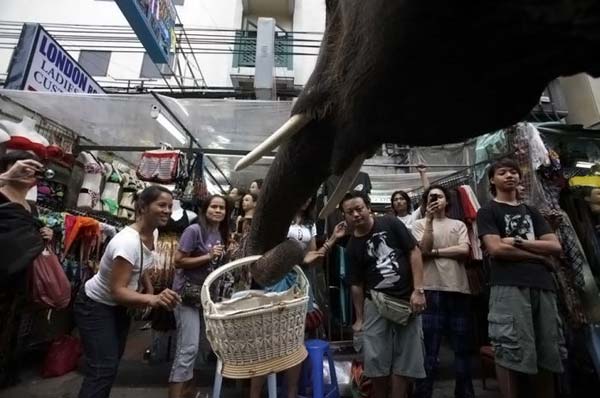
(523, 317)
(384, 257)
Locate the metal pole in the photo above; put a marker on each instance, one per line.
(415, 165)
(115, 148)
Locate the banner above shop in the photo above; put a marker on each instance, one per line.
(153, 21)
(39, 63)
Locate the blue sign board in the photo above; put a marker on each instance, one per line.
(153, 21)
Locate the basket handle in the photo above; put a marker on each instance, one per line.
(204, 292)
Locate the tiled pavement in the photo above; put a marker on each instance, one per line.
(138, 379)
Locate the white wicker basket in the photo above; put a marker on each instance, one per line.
(260, 334)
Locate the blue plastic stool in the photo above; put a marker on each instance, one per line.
(316, 351)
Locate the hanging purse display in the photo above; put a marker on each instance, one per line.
(160, 166)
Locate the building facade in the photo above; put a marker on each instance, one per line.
(216, 42)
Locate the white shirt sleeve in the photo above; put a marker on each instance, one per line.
(128, 247)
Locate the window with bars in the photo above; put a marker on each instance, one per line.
(95, 62)
(149, 69)
(244, 54)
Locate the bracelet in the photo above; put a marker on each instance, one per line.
(437, 252)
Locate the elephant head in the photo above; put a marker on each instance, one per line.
(412, 72)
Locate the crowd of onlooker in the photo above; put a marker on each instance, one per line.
(407, 274)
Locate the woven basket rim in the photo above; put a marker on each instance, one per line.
(258, 311)
(256, 369)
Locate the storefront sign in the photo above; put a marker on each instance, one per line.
(153, 21)
(39, 63)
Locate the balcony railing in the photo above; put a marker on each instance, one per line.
(244, 53)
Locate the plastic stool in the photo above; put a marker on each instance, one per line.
(271, 382)
(316, 351)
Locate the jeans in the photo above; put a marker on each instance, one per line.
(191, 340)
(103, 330)
(447, 313)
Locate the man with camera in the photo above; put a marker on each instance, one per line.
(386, 276)
(445, 245)
(523, 319)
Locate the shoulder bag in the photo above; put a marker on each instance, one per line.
(140, 314)
(391, 308)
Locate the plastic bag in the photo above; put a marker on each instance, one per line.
(62, 356)
(48, 284)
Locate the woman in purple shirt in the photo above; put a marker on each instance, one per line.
(201, 246)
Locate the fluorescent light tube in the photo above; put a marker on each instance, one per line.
(584, 165)
(170, 127)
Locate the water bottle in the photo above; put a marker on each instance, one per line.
(216, 260)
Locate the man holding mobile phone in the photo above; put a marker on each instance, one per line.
(445, 245)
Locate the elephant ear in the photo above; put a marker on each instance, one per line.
(343, 185)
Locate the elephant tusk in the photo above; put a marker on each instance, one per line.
(342, 187)
(285, 132)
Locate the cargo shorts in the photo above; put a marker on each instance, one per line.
(389, 348)
(525, 329)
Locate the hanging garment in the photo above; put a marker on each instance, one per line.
(23, 136)
(80, 227)
(469, 207)
(89, 194)
(455, 211)
(539, 153)
(476, 252)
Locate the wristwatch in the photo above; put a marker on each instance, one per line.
(420, 290)
(518, 241)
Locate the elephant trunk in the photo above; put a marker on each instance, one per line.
(300, 166)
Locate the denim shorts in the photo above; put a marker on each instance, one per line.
(525, 329)
(389, 348)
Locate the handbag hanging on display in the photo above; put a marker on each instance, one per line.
(160, 166)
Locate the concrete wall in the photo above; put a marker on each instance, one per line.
(309, 16)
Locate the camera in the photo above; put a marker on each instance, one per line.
(46, 174)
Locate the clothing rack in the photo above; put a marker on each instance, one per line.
(96, 215)
(454, 180)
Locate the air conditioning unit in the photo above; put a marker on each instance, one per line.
(552, 105)
(582, 94)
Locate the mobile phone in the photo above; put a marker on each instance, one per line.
(433, 197)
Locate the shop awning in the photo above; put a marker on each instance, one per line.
(226, 126)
